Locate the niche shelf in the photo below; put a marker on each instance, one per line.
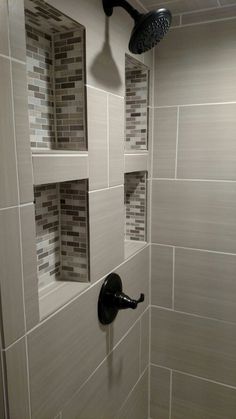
(136, 101)
(135, 187)
(55, 58)
(61, 221)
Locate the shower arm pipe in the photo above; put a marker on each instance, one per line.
(109, 4)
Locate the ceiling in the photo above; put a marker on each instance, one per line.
(179, 7)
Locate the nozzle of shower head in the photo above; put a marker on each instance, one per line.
(149, 28)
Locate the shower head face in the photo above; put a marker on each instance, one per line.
(149, 29)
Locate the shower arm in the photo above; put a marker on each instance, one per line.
(109, 4)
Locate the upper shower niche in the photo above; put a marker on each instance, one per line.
(136, 98)
(55, 49)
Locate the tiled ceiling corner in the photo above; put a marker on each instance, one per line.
(194, 11)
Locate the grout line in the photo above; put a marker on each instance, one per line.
(140, 346)
(170, 400)
(184, 105)
(194, 180)
(177, 143)
(28, 375)
(16, 206)
(13, 59)
(104, 91)
(194, 376)
(204, 22)
(106, 189)
(193, 315)
(194, 248)
(108, 145)
(173, 280)
(4, 385)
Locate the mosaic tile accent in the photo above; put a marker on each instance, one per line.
(74, 231)
(47, 233)
(135, 206)
(61, 217)
(137, 88)
(56, 79)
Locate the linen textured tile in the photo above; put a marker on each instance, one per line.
(137, 86)
(61, 214)
(135, 206)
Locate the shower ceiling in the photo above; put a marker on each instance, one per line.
(178, 7)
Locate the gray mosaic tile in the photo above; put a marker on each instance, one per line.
(135, 206)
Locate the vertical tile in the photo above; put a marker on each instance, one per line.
(198, 399)
(206, 147)
(164, 142)
(63, 352)
(116, 140)
(22, 132)
(106, 213)
(194, 214)
(106, 391)
(97, 138)
(17, 381)
(4, 42)
(145, 340)
(134, 274)
(17, 29)
(160, 393)
(162, 275)
(136, 407)
(194, 345)
(11, 276)
(205, 284)
(2, 389)
(8, 178)
(28, 237)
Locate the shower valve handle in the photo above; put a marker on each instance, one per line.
(112, 299)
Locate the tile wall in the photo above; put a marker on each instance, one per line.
(69, 365)
(194, 225)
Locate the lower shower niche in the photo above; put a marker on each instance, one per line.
(135, 212)
(61, 219)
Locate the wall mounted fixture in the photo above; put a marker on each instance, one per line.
(149, 28)
(112, 299)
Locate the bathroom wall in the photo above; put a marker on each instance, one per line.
(68, 365)
(193, 254)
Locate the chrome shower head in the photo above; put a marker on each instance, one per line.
(149, 28)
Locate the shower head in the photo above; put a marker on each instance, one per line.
(149, 28)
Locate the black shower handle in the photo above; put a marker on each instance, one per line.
(122, 301)
(112, 299)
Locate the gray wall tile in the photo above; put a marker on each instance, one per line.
(208, 15)
(136, 407)
(17, 29)
(205, 284)
(194, 214)
(8, 178)
(97, 138)
(206, 147)
(162, 275)
(116, 140)
(188, 68)
(134, 274)
(160, 393)
(4, 43)
(22, 132)
(195, 345)
(28, 235)
(180, 6)
(145, 339)
(11, 276)
(106, 214)
(164, 142)
(17, 381)
(63, 352)
(200, 399)
(107, 389)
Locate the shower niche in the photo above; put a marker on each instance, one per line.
(135, 187)
(136, 105)
(55, 58)
(62, 239)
